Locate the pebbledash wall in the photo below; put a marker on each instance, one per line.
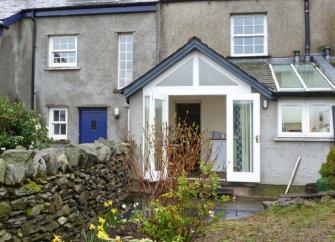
(94, 84)
(58, 190)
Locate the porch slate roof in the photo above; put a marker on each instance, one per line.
(195, 44)
(261, 72)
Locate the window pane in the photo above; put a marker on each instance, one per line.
(238, 41)
(248, 49)
(248, 29)
(63, 129)
(238, 29)
(183, 76)
(259, 20)
(238, 49)
(248, 41)
(259, 40)
(286, 77)
(158, 133)
(56, 129)
(259, 49)
(259, 29)
(56, 115)
(238, 21)
(62, 115)
(311, 76)
(291, 118)
(319, 118)
(248, 20)
(209, 76)
(243, 136)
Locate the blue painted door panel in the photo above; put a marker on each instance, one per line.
(92, 124)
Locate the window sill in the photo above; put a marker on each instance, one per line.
(61, 68)
(303, 139)
(60, 141)
(248, 56)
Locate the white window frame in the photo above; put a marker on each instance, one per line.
(52, 122)
(305, 88)
(51, 50)
(119, 61)
(305, 119)
(232, 36)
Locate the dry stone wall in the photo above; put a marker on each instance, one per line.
(58, 190)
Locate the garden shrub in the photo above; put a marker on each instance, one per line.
(183, 214)
(20, 127)
(328, 168)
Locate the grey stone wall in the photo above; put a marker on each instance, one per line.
(58, 190)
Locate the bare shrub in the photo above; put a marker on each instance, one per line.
(167, 153)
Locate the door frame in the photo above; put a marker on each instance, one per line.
(254, 176)
(80, 109)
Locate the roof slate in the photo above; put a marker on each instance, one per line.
(261, 72)
(11, 7)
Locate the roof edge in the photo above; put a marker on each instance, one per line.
(195, 44)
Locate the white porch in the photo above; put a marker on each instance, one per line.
(223, 105)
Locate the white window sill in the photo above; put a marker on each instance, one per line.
(303, 139)
(62, 68)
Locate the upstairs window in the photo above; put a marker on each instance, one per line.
(249, 35)
(300, 77)
(125, 65)
(58, 123)
(63, 51)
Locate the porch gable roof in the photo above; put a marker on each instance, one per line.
(192, 45)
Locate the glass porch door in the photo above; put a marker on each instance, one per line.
(243, 148)
(156, 121)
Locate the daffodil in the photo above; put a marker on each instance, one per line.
(108, 203)
(91, 227)
(101, 220)
(113, 210)
(117, 239)
(103, 235)
(57, 238)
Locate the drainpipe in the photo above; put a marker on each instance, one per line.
(307, 31)
(333, 108)
(32, 97)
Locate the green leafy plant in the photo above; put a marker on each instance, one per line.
(328, 168)
(20, 127)
(184, 213)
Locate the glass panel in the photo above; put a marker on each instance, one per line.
(62, 115)
(146, 128)
(56, 129)
(311, 76)
(292, 118)
(183, 76)
(243, 136)
(125, 59)
(63, 129)
(286, 77)
(209, 76)
(319, 118)
(93, 125)
(56, 115)
(158, 134)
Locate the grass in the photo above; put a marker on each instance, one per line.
(309, 222)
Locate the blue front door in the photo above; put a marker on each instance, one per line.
(92, 124)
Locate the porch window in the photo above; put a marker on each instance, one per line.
(58, 123)
(291, 118)
(248, 35)
(210, 76)
(182, 76)
(319, 120)
(125, 65)
(301, 77)
(305, 119)
(63, 51)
